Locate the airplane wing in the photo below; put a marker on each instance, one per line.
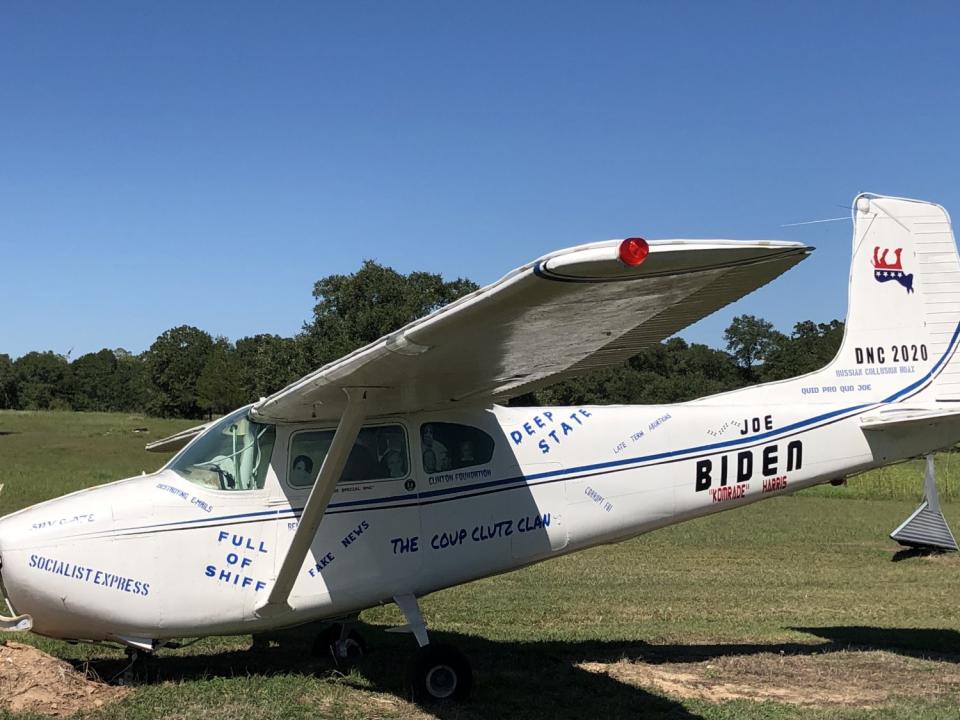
(177, 441)
(568, 312)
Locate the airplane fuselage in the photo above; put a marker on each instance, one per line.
(160, 556)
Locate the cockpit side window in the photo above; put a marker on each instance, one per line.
(233, 454)
(379, 453)
(451, 446)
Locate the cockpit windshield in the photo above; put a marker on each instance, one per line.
(232, 454)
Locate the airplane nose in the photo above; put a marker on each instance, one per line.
(64, 565)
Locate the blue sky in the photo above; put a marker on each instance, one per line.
(205, 163)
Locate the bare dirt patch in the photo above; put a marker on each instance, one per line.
(863, 679)
(32, 681)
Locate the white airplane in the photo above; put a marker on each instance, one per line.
(392, 473)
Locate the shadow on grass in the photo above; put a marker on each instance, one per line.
(531, 679)
(511, 679)
(934, 643)
(925, 643)
(915, 552)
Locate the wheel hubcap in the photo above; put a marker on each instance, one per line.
(349, 649)
(441, 681)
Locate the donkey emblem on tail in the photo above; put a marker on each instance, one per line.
(884, 271)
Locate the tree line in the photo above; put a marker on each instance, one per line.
(188, 373)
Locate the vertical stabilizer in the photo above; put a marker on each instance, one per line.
(904, 306)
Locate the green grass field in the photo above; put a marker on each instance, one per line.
(795, 607)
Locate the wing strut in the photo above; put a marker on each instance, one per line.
(330, 471)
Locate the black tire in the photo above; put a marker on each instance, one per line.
(326, 645)
(439, 674)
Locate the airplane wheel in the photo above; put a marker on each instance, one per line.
(345, 652)
(141, 669)
(439, 674)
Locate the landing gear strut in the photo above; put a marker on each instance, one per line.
(341, 642)
(138, 668)
(436, 673)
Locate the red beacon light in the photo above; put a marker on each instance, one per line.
(634, 251)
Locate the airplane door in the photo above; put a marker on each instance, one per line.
(369, 536)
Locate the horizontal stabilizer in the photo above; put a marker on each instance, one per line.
(925, 528)
(177, 441)
(904, 417)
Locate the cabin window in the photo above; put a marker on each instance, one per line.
(450, 446)
(232, 454)
(379, 453)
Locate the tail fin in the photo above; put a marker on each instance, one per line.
(903, 313)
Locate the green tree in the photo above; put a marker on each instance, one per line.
(596, 387)
(8, 384)
(131, 381)
(95, 381)
(810, 347)
(44, 381)
(668, 372)
(174, 363)
(751, 339)
(355, 310)
(109, 381)
(269, 363)
(219, 387)
(677, 358)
